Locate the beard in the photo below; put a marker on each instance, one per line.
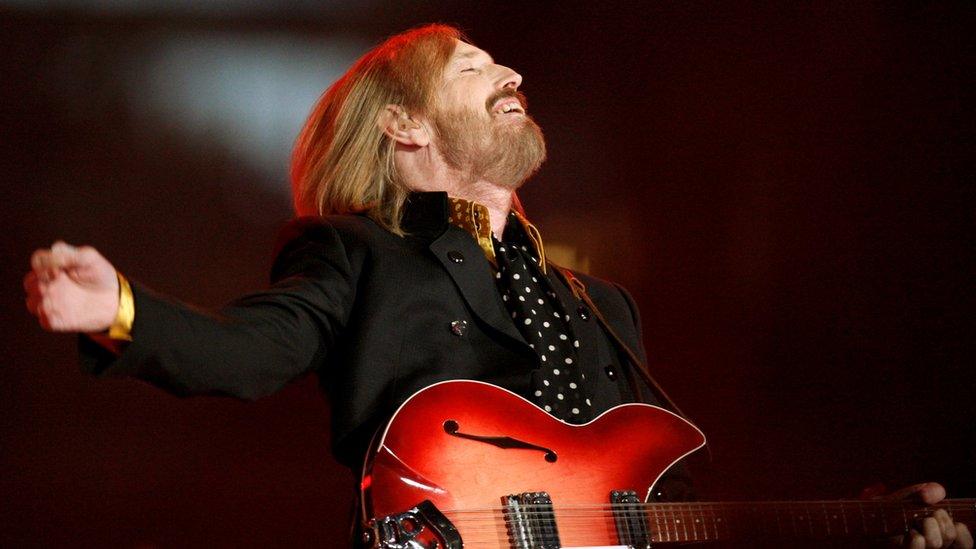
(503, 152)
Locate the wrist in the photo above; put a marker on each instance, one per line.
(121, 327)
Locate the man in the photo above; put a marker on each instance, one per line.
(414, 264)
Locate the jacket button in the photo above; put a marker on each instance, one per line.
(459, 327)
(583, 312)
(455, 256)
(611, 372)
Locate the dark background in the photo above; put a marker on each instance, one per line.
(787, 192)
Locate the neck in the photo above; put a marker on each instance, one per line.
(496, 198)
(436, 176)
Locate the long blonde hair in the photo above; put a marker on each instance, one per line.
(342, 161)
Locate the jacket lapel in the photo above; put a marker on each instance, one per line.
(465, 262)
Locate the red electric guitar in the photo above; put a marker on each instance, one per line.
(468, 464)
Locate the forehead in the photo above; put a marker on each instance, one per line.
(464, 51)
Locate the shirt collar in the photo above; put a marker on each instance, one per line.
(431, 213)
(474, 219)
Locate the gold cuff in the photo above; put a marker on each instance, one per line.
(121, 328)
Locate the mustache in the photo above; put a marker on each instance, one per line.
(504, 94)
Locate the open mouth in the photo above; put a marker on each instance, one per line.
(508, 105)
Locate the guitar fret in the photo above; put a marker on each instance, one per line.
(676, 524)
(684, 525)
(779, 527)
(672, 528)
(826, 518)
(864, 522)
(792, 518)
(904, 519)
(885, 519)
(884, 515)
(657, 524)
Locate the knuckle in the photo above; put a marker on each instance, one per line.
(39, 257)
(963, 537)
(47, 306)
(932, 532)
(55, 320)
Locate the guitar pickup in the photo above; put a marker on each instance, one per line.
(629, 518)
(531, 521)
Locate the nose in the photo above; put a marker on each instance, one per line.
(508, 78)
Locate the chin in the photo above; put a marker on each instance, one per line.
(516, 154)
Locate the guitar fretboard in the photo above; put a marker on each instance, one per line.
(705, 521)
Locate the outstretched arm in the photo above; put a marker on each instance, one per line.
(248, 349)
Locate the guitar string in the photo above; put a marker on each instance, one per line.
(814, 520)
(675, 517)
(587, 535)
(597, 514)
(577, 522)
(813, 506)
(577, 532)
(812, 503)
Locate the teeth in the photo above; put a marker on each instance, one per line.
(509, 106)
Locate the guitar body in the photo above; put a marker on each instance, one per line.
(502, 444)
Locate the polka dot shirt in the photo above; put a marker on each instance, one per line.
(557, 385)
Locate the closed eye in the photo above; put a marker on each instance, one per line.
(471, 69)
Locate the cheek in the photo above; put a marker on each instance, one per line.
(468, 95)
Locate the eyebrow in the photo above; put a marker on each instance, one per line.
(471, 55)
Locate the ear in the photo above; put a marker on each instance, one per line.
(397, 125)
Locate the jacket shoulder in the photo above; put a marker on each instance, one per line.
(337, 237)
(604, 291)
(317, 227)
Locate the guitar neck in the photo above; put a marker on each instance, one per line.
(730, 521)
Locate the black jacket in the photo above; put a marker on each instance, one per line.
(370, 313)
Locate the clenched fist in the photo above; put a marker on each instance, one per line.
(72, 289)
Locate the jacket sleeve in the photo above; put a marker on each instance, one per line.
(253, 346)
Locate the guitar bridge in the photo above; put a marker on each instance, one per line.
(531, 521)
(422, 527)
